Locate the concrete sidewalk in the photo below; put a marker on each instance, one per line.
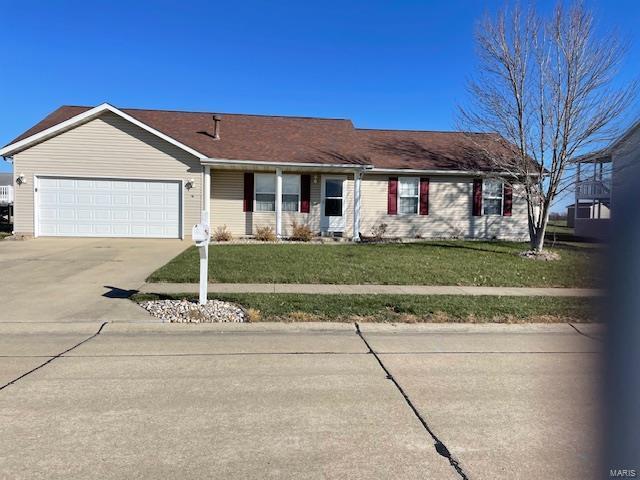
(323, 289)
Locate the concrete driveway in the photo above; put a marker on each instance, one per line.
(298, 401)
(77, 279)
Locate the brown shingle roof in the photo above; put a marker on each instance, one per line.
(308, 140)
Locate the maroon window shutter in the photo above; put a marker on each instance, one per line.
(477, 197)
(247, 204)
(424, 196)
(305, 193)
(507, 200)
(392, 196)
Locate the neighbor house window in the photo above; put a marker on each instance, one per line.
(290, 193)
(492, 197)
(408, 194)
(266, 192)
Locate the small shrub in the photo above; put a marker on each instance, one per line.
(253, 315)
(265, 234)
(301, 233)
(222, 234)
(379, 231)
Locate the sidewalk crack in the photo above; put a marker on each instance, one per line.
(53, 358)
(592, 337)
(440, 447)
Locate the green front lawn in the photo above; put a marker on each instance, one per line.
(404, 308)
(424, 263)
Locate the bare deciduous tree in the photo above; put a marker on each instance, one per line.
(546, 85)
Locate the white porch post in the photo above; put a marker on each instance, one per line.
(279, 202)
(206, 192)
(357, 185)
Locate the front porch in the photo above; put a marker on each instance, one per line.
(6, 204)
(591, 212)
(243, 198)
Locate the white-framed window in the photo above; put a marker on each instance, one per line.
(492, 197)
(291, 193)
(265, 188)
(408, 195)
(265, 192)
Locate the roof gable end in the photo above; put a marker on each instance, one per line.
(26, 141)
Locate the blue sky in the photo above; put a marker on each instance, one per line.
(384, 64)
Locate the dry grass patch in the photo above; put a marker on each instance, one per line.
(263, 307)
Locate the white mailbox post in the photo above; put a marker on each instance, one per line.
(201, 236)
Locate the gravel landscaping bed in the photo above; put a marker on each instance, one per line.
(187, 311)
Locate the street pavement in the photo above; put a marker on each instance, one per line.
(144, 400)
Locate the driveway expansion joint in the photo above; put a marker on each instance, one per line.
(61, 354)
(440, 447)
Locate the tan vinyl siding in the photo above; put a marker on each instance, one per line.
(449, 212)
(107, 146)
(227, 194)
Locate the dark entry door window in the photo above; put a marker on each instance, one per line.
(333, 197)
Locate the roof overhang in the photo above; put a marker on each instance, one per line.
(271, 165)
(84, 118)
(230, 164)
(473, 173)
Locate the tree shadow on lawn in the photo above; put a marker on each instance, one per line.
(478, 247)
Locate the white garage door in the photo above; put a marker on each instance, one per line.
(85, 207)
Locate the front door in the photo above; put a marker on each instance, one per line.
(333, 204)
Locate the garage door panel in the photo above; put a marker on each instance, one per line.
(67, 198)
(155, 200)
(112, 208)
(139, 200)
(122, 230)
(84, 185)
(103, 185)
(121, 215)
(121, 199)
(66, 214)
(66, 183)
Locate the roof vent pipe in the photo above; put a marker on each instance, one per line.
(216, 127)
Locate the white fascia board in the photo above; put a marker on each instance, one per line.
(474, 173)
(343, 166)
(259, 163)
(85, 117)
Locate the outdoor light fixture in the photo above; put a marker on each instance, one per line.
(21, 179)
(189, 184)
(315, 178)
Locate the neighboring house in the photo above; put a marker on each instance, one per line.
(109, 172)
(600, 176)
(6, 191)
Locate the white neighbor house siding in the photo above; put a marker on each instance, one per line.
(107, 146)
(450, 212)
(624, 158)
(227, 194)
